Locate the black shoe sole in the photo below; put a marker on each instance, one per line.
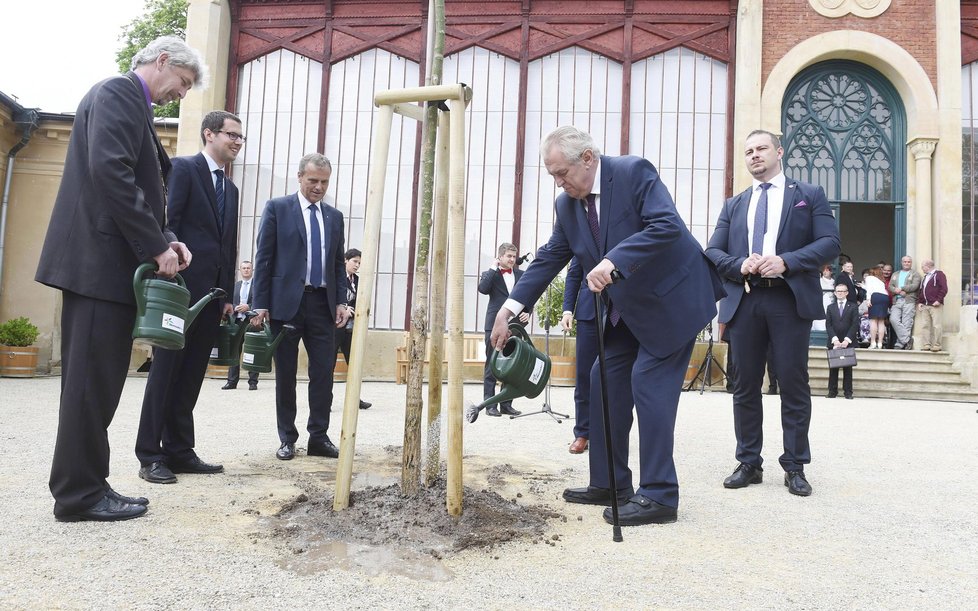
(739, 486)
(157, 480)
(667, 519)
(110, 518)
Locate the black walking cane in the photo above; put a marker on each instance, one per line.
(605, 413)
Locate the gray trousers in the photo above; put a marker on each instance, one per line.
(901, 318)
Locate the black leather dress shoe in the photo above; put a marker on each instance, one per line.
(157, 473)
(744, 475)
(252, 387)
(509, 411)
(106, 510)
(492, 410)
(595, 496)
(641, 510)
(229, 386)
(832, 395)
(364, 404)
(286, 451)
(848, 395)
(132, 500)
(797, 484)
(325, 448)
(194, 465)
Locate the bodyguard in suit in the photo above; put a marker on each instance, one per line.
(578, 304)
(299, 280)
(615, 215)
(497, 282)
(769, 244)
(202, 204)
(842, 328)
(241, 298)
(108, 218)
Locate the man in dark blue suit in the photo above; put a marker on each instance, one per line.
(615, 215)
(769, 244)
(497, 282)
(108, 218)
(300, 280)
(578, 305)
(202, 206)
(842, 328)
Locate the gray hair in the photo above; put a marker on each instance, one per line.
(179, 54)
(316, 159)
(571, 142)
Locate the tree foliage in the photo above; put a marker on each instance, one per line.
(160, 18)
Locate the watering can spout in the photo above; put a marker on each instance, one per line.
(523, 370)
(211, 295)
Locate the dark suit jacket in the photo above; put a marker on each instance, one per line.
(192, 211)
(280, 260)
(109, 215)
(491, 283)
(577, 296)
(807, 239)
(235, 300)
(846, 325)
(669, 288)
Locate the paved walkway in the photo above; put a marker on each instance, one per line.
(892, 523)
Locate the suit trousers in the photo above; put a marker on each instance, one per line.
(846, 381)
(166, 424)
(96, 343)
(489, 380)
(234, 374)
(770, 316)
(931, 327)
(587, 352)
(315, 325)
(650, 384)
(901, 319)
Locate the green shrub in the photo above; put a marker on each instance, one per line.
(18, 332)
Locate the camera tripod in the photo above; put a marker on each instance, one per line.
(705, 372)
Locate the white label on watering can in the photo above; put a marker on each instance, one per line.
(537, 371)
(249, 358)
(171, 322)
(214, 352)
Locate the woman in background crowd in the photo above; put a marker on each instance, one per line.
(879, 305)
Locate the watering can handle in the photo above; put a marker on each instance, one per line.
(137, 280)
(517, 329)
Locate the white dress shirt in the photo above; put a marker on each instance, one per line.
(775, 203)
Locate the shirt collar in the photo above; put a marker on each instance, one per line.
(777, 182)
(211, 164)
(149, 98)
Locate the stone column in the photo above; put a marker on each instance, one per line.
(922, 150)
(208, 31)
(747, 87)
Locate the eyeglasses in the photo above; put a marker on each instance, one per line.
(841, 290)
(232, 136)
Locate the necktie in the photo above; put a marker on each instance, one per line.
(592, 221)
(505, 271)
(219, 189)
(315, 249)
(842, 307)
(760, 221)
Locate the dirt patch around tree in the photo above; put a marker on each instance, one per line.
(385, 532)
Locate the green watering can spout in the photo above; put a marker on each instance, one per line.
(523, 370)
(214, 293)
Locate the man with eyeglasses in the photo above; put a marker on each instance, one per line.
(842, 329)
(202, 205)
(109, 217)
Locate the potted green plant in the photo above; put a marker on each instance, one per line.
(18, 357)
(549, 310)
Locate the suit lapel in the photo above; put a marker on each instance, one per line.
(207, 184)
(607, 192)
(792, 194)
(738, 222)
(297, 218)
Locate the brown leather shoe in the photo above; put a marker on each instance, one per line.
(578, 446)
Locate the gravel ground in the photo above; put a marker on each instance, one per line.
(891, 524)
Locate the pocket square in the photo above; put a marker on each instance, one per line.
(801, 204)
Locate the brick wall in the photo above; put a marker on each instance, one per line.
(909, 23)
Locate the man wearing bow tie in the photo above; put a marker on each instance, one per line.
(497, 282)
(769, 244)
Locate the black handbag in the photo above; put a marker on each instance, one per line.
(841, 357)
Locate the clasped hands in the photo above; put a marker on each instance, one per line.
(766, 266)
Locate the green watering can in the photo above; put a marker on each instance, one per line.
(523, 370)
(259, 347)
(230, 335)
(163, 310)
